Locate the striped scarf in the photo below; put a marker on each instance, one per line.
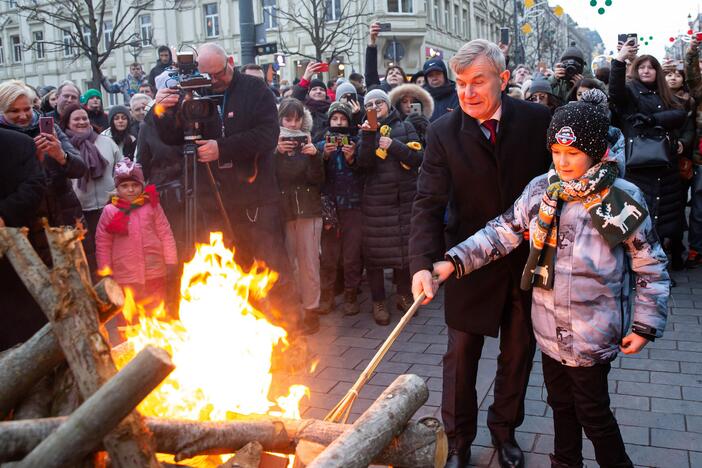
(613, 212)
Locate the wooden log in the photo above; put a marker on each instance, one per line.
(376, 427)
(23, 366)
(248, 457)
(417, 446)
(100, 413)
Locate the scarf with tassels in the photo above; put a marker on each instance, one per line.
(120, 222)
(614, 214)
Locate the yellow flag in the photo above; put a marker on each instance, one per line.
(558, 10)
(526, 29)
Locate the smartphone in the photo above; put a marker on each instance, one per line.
(300, 140)
(504, 35)
(633, 38)
(323, 67)
(385, 27)
(372, 116)
(415, 108)
(348, 97)
(46, 125)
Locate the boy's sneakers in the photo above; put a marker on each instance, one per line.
(694, 259)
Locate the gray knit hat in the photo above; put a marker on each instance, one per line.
(376, 94)
(345, 88)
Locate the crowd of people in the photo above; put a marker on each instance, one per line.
(439, 181)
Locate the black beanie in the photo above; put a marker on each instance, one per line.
(581, 125)
(315, 83)
(575, 53)
(341, 108)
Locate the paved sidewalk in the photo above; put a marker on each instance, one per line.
(656, 395)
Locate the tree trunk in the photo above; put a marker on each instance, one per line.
(68, 299)
(22, 367)
(100, 413)
(376, 427)
(419, 444)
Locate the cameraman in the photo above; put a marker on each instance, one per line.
(567, 72)
(242, 161)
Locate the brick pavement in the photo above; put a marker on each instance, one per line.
(656, 395)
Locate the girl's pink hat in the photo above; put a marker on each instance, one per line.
(127, 170)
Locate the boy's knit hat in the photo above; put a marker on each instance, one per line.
(582, 125)
(378, 93)
(341, 108)
(127, 170)
(91, 93)
(317, 83)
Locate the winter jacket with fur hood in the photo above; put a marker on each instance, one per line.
(420, 95)
(582, 320)
(300, 177)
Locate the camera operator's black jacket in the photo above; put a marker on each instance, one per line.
(245, 169)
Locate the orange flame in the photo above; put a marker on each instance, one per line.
(221, 345)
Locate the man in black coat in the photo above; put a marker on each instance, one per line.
(477, 161)
(242, 159)
(22, 187)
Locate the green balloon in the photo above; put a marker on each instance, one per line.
(641, 38)
(608, 2)
(646, 43)
(650, 38)
(601, 11)
(593, 2)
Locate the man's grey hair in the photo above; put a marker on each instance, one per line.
(470, 51)
(67, 83)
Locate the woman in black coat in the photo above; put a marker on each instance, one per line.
(645, 105)
(59, 160)
(391, 156)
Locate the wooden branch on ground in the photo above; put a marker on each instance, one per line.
(376, 427)
(417, 446)
(22, 367)
(99, 414)
(67, 298)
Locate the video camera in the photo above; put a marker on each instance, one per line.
(572, 67)
(193, 108)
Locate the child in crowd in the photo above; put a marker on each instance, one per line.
(300, 175)
(342, 191)
(133, 239)
(591, 240)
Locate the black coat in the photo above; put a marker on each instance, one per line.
(162, 164)
(300, 178)
(388, 193)
(662, 187)
(477, 182)
(245, 170)
(22, 188)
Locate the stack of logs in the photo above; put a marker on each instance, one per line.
(72, 351)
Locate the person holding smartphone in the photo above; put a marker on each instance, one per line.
(59, 160)
(414, 105)
(394, 75)
(313, 93)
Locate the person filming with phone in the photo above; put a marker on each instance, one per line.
(313, 94)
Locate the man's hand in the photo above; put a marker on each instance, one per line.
(348, 151)
(47, 143)
(384, 142)
(559, 71)
(633, 343)
(627, 52)
(2, 223)
(681, 148)
(577, 77)
(286, 146)
(167, 97)
(422, 282)
(329, 148)
(442, 270)
(373, 32)
(355, 106)
(366, 127)
(207, 151)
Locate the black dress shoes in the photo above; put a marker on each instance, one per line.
(509, 455)
(458, 459)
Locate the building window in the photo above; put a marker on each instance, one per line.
(67, 44)
(12, 4)
(269, 18)
(333, 10)
(400, 6)
(447, 14)
(87, 38)
(2, 52)
(112, 99)
(456, 20)
(437, 16)
(211, 20)
(107, 32)
(39, 51)
(16, 48)
(145, 29)
(466, 25)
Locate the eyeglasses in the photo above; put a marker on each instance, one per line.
(377, 104)
(221, 74)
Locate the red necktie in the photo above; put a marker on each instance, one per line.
(491, 126)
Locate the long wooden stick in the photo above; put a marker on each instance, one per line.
(341, 412)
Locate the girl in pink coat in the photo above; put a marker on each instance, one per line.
(134, 240)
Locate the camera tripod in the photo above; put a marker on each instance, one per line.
(191, 188)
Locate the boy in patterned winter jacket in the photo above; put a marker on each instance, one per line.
(590, 236)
